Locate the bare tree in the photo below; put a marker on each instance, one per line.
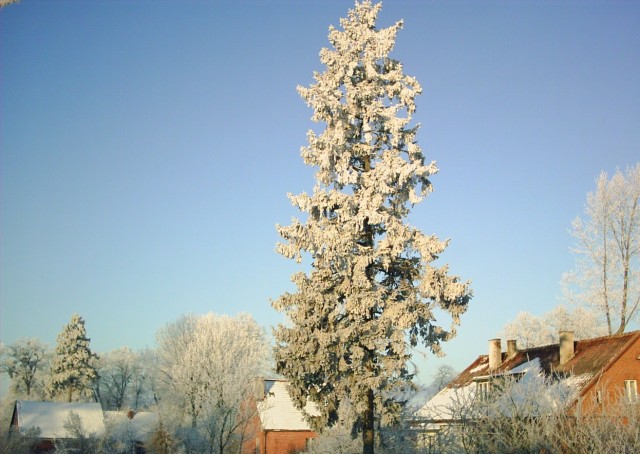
(443, 375)
(607, 274)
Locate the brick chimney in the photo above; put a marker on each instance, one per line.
(495, 354)
(566, 346)
(512, 348)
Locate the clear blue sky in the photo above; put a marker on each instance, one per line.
(147, 148)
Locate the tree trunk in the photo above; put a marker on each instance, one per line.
(625, 296)
(368, 426)
(605, 283)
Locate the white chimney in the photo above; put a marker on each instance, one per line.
(495, 354)
(258, 388)
(566, 346)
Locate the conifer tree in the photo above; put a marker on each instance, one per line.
(74, 364)
(373, 291)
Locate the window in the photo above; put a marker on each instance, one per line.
(483, 388)
(631, 390)
(308, 442)
(428, 441)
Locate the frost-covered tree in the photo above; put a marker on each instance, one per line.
(73, 369)
(119, 372)
(26, 362)
(373, 292)
(607, 273)
(533, 331)
(528, 330)
(145, 384)
(173, 340)
(583, 321)
(210, 364)
(4, 3)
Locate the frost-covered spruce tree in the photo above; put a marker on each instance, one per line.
(373, 291)
(74, 364)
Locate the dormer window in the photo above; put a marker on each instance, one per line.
(483, 388)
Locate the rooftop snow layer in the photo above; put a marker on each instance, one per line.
(50, 417)
(277, 411)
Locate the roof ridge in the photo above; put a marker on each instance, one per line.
(539, 347)
(599, 338)
(612, 336)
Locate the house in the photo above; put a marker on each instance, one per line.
(278, 427)
(590, 374)
(48, 422)
(50, 418)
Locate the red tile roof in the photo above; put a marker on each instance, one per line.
(591, 358)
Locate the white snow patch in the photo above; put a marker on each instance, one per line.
(533, 365)
(479, 367)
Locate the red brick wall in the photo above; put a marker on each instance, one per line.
(283, 442)
(611, 384)
(277, 442)
(253, 432)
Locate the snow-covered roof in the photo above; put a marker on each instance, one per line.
(140, 427)
(277, 411)
(442, 405)
(50, 417)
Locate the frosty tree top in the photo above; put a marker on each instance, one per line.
(372, 292)
(74, 364)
